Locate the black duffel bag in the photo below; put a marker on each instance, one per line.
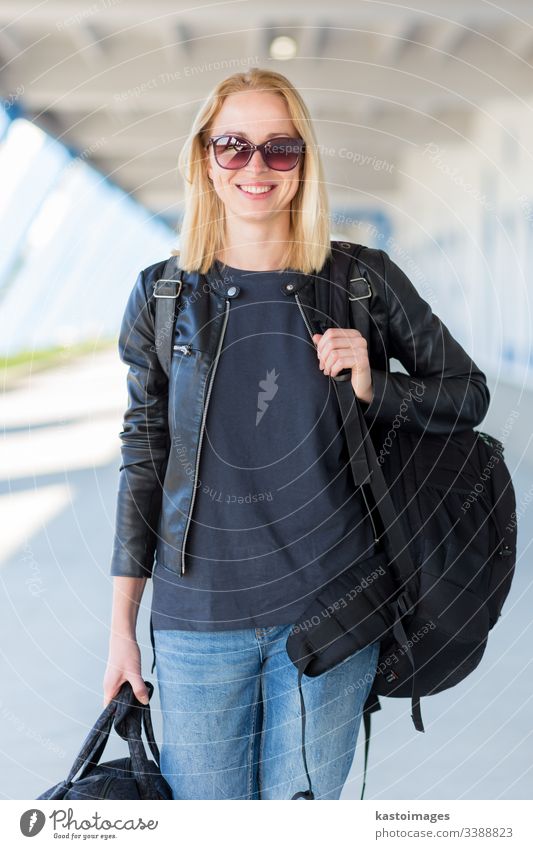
(135, 777)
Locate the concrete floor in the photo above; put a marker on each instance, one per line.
(60, 462)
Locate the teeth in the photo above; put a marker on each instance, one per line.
(256, 190)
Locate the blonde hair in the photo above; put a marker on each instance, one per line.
(202, 228)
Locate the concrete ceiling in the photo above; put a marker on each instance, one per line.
(121, 80)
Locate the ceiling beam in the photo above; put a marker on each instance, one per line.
(67, 12)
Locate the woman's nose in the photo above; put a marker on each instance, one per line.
(256, 164)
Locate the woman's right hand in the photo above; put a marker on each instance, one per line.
(124, 664)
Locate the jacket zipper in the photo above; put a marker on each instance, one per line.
(309, 328)
(202, 427)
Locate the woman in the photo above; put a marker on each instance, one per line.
(246, 531)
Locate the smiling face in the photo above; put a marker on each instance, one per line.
(256, 116)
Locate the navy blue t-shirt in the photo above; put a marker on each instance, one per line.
(276, 513)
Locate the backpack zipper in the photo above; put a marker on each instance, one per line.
(202, 427)
(311, 334)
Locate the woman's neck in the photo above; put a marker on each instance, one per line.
(253, 249)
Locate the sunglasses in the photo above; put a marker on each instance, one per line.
(280, 154)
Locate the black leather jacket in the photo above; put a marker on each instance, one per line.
(164, 422)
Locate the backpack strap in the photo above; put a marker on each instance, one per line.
(309, 793)
(341, 286)
(350, 287)
(366, 470)
(152, 640)
(371, 705)
(166, 291)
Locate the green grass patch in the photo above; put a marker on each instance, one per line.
(26, 362)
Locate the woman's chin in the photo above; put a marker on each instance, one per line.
(249, 212)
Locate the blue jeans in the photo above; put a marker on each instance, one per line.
(231, 715)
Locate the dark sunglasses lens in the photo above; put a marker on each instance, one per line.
(283, 154)
(231, 152)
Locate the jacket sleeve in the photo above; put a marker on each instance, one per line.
(444, 389)
(144, 441)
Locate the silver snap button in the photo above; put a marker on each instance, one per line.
(232, 291)
(289, 287)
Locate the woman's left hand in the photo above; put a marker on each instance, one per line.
(339, 348)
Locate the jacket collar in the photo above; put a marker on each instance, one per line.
(226, 289)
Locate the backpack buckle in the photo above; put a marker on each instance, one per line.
(170, 293)
(367, 294)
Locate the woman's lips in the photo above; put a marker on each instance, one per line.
(255, 195)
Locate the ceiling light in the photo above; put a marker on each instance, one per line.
(283, 47)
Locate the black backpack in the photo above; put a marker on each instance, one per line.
(448, 542)
(446, 552)
(135, 777)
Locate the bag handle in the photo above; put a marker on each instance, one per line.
(123, 711)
